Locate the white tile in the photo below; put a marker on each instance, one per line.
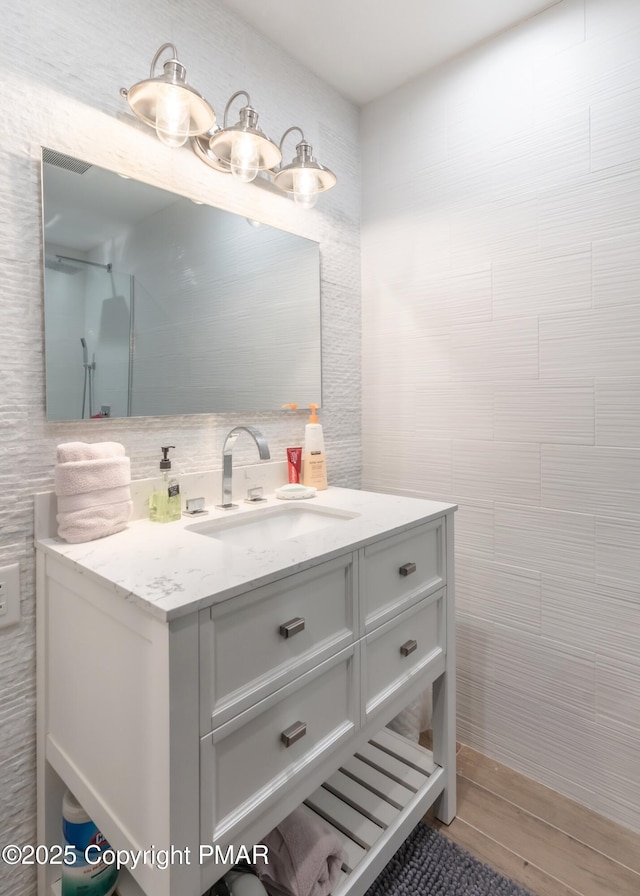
(612, 18)
(494, 109)
(451, 297)
(481, 177)
(409, 108)
(503, 471)
(391, 462)
(615, 130)
(405, 360)
(471, 725)
(541, 590)
(593, 70)
(561, 145)
(618, 552)
(589, 616)
(499, 350)
(508, 223)
(542, 281)
(603, 342)
(551, 541)
(619, 784)
(413, 246)
(571, 745)
(551, 671)
(553, 31)
(590, 207)
(579, 764)
(474, 642)
(453, 410)
(562, 83)
(498, 592)
(591, 479)
(423, 407)
(616, 271)
(541, 412)
(618, 691)
(475, 522)
(618, 413)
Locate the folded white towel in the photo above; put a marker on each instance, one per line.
(72, 451)
(304, 857)
(94, 522)
(98, 498)
(79, 476)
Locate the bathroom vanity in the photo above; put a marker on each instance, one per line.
(198, 680)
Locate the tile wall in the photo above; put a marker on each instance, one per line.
(501, 370)
(63, 65)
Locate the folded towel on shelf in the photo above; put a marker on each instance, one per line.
(92, 483)
(94, 522)
(304, 858)
(72, 451)
(79, 476)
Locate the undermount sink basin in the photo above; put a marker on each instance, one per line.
(267, 525)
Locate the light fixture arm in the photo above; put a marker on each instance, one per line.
(159, 53)
(231, 99)
(288, 131)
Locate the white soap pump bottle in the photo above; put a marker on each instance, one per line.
(314, 462)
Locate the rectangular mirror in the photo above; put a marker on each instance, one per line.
(155, 304)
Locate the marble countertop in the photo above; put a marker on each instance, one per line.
(170, 570)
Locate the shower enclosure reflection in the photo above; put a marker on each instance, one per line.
(89, 317)
(184, 308)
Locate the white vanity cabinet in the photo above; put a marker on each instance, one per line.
(191, 693)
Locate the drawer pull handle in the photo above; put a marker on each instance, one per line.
(293, 733)
(407, 568)
(292, 627)
(408, 647)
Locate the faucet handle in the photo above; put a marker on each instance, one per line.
(254, 495)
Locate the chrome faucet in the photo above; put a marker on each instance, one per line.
(227, 460)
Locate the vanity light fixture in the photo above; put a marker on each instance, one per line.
(243, 148)
(200, 145)
(167, 103)
(305, 177)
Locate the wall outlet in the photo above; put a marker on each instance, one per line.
(9, 595)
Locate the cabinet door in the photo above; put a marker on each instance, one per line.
(399, 651)
(253, 759)
(254, 644)
(398, 571)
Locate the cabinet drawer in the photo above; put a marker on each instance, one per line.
(400, 570)
(254, 644)
(401, 649)
(246, 763)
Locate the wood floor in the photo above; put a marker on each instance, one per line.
(544, 841)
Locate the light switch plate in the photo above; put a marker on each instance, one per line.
(9, 595)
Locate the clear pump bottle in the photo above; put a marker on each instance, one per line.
(165, 504)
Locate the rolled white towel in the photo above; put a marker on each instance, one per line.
(85, 500)
(94, 522)
(72, 451)
(76, 477)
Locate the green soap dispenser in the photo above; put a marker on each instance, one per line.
(164, 502)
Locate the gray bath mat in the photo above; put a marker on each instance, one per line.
(428, 864)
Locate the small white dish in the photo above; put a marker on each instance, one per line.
(294, 491)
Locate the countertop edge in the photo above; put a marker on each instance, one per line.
(64, 553)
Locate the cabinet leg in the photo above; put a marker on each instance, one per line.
(444, 743)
